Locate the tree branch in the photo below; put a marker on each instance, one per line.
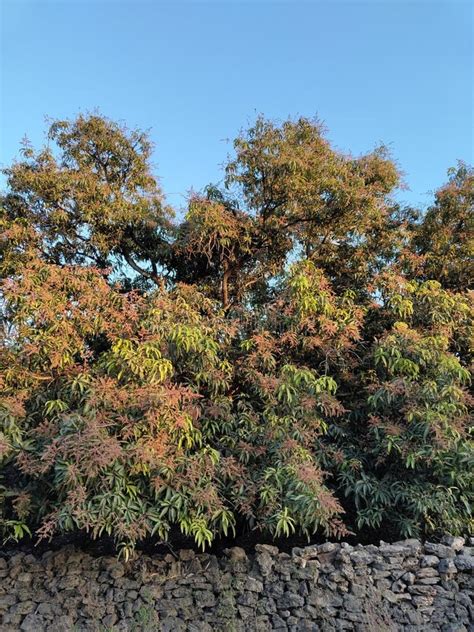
(146, 273)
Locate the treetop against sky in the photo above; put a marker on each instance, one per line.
(196, 72)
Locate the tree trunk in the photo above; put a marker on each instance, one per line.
(225, 285)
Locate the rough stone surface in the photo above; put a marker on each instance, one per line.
(406, 586)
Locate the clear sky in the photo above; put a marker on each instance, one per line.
(194, 73)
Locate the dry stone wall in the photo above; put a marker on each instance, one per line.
(406, 586)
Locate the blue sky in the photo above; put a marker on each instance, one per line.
(194, 73)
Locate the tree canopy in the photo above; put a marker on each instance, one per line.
(291, 355)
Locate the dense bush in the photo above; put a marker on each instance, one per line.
(292, 355)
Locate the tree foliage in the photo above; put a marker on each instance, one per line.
(443, 242)
(292, 355)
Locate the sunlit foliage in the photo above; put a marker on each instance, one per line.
(293, 356)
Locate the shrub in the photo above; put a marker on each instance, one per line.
(410, 462)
